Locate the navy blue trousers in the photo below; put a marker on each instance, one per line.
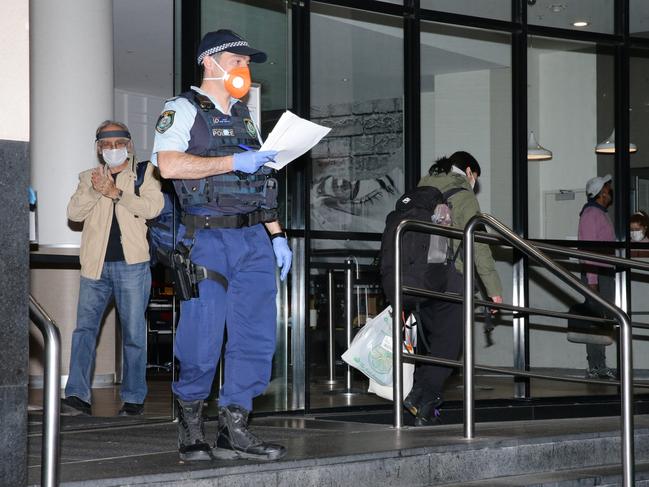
(247, 310)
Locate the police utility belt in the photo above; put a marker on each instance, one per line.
(186, 274)
(193, 223)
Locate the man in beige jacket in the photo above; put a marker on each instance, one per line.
(113, 206)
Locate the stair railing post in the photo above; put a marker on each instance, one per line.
(469, 418)
(51, 394)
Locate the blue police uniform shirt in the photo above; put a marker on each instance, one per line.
(180, 114)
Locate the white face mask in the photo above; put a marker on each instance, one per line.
(637, 235)
(472, 182)
(114, 157)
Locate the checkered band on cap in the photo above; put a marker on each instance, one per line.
(222, 47)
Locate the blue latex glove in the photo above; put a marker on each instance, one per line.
(283, 255)
(251, 161)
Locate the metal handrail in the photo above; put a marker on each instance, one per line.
(469, 235)
(487, 238)
(50, 453)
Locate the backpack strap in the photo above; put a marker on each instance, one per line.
(445, 197)
(140, 169)
(452, 192)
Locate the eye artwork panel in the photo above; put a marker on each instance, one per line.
(360, 205)
(358, 168)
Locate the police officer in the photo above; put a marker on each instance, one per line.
(207, 143)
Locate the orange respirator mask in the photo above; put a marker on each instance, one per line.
(237, 81)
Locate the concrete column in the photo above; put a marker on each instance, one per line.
(14, 264)
(71, 62)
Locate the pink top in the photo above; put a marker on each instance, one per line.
(595, 225)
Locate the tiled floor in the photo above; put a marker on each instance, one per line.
(106, 401)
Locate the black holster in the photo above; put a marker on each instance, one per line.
(185, 283)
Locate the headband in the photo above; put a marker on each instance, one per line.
(114, 133)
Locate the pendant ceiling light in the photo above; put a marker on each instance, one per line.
(534, 150)
(608, 145)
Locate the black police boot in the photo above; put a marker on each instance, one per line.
(191, 432)
(235, 440)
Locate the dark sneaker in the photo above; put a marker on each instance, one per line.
(73, 406)
(429, 414)
(425, 410)
(601, 373)
(192, 446)
(411, 402)
(131, 409)
(235, 440)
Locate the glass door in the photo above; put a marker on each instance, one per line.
(357, 173)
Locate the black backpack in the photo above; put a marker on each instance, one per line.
(417, 271)
(163, 229)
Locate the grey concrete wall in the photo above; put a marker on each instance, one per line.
(366, 138)
(14, 285)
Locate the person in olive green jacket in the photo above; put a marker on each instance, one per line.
(441, 321)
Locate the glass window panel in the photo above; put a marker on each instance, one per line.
(639, 18)
(551, 351)
(640, 313)
(587, 15)
(357, 170)
(466, 106)
(244, 18)
(492, 9)
(357, 174)
(639, 120)
(328, 261)
(570, 109)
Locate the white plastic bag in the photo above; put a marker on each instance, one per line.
(371, 350)
(386, 391)
(371, 353)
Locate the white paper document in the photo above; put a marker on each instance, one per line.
(291, 137)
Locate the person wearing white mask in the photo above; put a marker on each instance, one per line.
(638, 226)
(442, 320)
(113, 201)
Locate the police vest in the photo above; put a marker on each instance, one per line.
(216, 134)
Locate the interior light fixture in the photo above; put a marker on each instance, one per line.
(580, 23)
(534, 150)
(607, 146)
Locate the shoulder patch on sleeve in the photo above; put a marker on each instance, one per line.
(165, 120)
(250, 127)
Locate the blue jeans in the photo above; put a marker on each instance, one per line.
(131, 286)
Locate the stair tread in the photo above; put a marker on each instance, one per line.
(585, 476)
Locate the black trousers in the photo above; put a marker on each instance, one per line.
(441, 324)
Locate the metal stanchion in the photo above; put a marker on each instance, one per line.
(349, 286)
(331, 352)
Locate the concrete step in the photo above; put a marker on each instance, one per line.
(606, 476)
(323, 453)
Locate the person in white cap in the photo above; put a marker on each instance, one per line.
(595, 225)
